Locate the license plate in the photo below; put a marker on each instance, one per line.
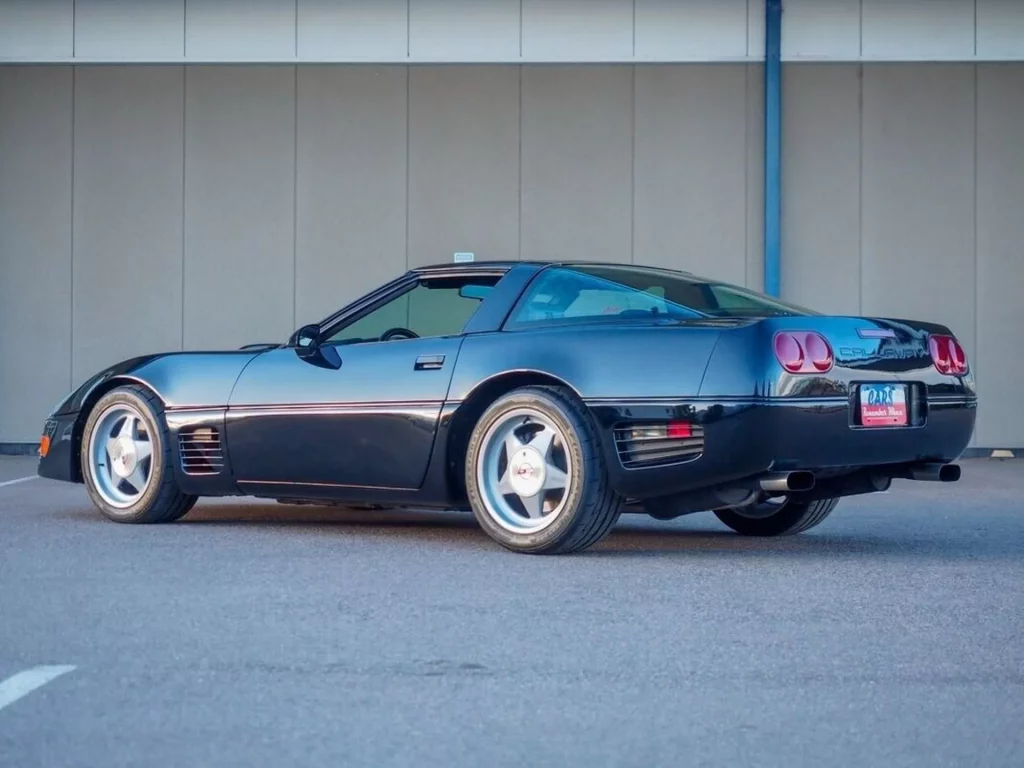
(883, 405)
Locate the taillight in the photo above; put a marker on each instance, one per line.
(803, 352)
(948, 356)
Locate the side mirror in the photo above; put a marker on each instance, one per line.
(307, 340)
(308, 346)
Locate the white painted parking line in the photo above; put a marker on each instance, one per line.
(23, 683)
(19, 480)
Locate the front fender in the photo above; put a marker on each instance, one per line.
(180, 379)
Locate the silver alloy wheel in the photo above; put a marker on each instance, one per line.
(121, 455)
(524, 471)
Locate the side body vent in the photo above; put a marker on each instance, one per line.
(650, 445)
(201, 451)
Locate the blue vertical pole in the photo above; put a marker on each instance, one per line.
(772, 146)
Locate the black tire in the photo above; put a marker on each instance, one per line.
(792, 517)
(162, 501)
(591, 506)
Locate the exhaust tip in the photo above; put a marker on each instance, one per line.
(949, 473)
(788, 482)
(800, 481)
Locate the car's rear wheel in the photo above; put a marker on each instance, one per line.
(126, 459)
(535, 475)
(777, 517)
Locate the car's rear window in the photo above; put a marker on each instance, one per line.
(597, 292)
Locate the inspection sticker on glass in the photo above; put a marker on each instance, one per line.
(460, 257)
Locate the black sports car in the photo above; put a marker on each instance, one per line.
(547, 397)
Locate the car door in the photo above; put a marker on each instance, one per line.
(370, 422)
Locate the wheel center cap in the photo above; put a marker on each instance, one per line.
(526, 472)
(122, 457)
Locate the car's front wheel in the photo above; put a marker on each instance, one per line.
(126, 459)
(777, 517)
(535, 475)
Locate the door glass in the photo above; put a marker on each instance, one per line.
(434, 307)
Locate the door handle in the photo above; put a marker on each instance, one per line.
(429, 362)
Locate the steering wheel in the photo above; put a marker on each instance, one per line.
(398, 333)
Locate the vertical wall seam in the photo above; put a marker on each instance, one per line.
(408, 38)
(860, 30)
(408, 119)
(184, 30)
(746, 170)
(296, 31)
(71, 345)
(74, 29)
(975, 223)
(632, 170)
(975, 42)
(295, 197)
(860, 188)
(519, 223)
(520, 48)
(184, 165)
(634, 41)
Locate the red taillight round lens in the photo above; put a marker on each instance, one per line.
(947, 355)
(789, 352)
(957, 357)
(818, 352)
(803, 352)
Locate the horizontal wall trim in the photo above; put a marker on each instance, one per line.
(540, 61)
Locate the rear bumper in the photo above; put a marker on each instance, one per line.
(60, 462)
(744, 439)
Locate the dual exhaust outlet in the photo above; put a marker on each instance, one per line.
(804, 481)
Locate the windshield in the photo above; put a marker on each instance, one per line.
(596, 291)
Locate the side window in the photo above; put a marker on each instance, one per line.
(434, 307)
(564, 294)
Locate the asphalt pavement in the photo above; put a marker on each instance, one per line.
(254, 634)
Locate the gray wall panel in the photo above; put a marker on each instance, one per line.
(1000, 29)
(217, 30)
(128, 213)
(577, 163)
(577, 30)
(353, 30)
(463, 163)
(35, 246)
(755, 177)
(40, 30)
(239, 205)
(696, 30)
(911, 30)
(918, 177)
(821, 187)
(129, 29)
(464, 30)
(351, 215)
(1000, 254)
(691, 169)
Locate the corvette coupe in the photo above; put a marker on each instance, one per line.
(547, 397)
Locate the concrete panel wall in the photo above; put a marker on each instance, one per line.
(577, 163)
(350, 184)
(821, 212)
(463, 163)
(690, 199)
(1000, 253)
(259, 198)
(35, 246)
(503, 31)
(917, 252)
(128, 192)
(239, 205)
